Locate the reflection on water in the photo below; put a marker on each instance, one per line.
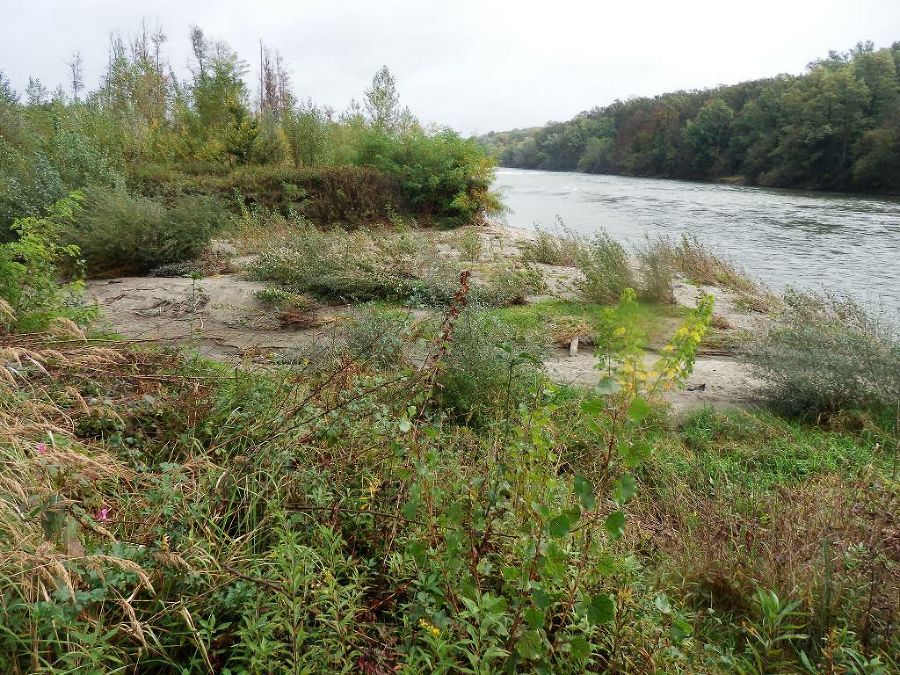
(807, 240)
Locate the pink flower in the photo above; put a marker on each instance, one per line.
(103, 514)
(40, 448)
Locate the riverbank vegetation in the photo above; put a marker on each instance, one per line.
(837, 127)
(163, 158)
(419, 495)
(409, 491)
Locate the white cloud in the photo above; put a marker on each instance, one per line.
(475, 65)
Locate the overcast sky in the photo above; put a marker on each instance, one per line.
(475, 65)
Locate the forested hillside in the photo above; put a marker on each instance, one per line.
(147, 133)
(836, 127)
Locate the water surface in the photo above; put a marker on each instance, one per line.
(810, 240)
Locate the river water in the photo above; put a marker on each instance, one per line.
(811, 240)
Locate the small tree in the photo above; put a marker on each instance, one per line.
(383, 104)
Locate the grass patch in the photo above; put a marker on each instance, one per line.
(402, 265)
(559, 318)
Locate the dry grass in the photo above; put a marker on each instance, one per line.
(831, 542)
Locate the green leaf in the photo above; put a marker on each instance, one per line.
(606, 564)
(639, 409)
(405, 425)
(511, 573)
(633, 453)
(585, 492)
(580, 648)
(559, 527)
(680, 629)
(615, 524)
(606, 386)
(593, 406)
(410, 509)
(601, 609)
(625, 488)
(529, 645)
(541, 598)
(534, 617)
(662, 603)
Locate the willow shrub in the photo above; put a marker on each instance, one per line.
(827, 354)
(119, 233)
(605, 269)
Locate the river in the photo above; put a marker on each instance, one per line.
(810, 240)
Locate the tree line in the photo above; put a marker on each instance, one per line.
(836, 127)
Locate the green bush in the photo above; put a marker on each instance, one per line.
(605, 269)
(825, 354)
(441, 176)
(488, 370)
(377, 338)
(33, 271)
(120, 233)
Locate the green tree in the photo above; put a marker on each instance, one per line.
(707, 135)
(382, 103)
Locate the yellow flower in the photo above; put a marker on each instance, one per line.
(374, 484)
(430, 627)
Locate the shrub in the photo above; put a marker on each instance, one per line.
(470, 246)
(604, 266)
(561, 247)
(489, 368)
(377, 338)
(123, 234)
(654, 261)
(32, 270)
(826, 354)
(505, 284)
(441, 176)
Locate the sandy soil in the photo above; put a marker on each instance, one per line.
(221, 317)
(720, 382)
